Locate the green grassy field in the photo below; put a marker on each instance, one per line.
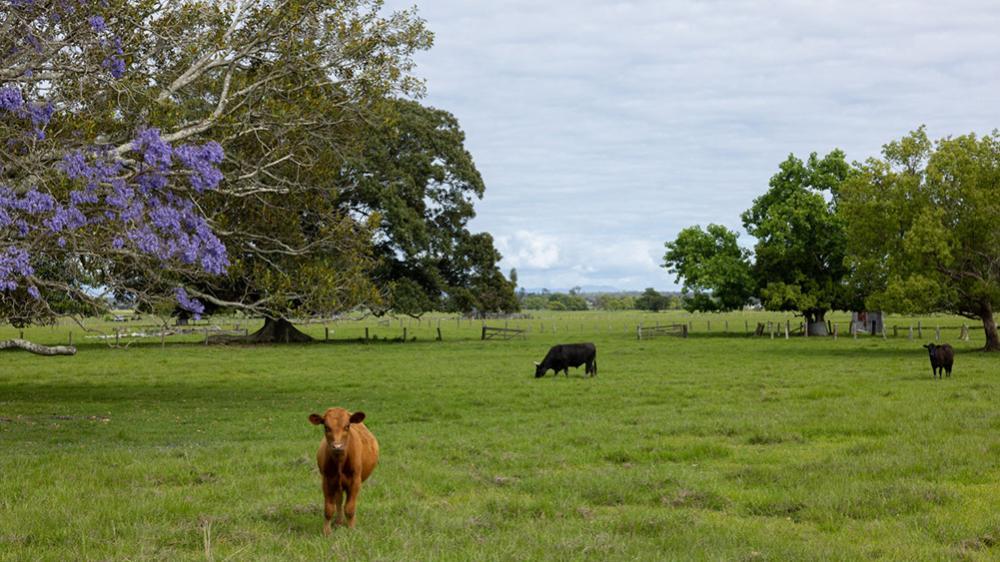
(717, 447)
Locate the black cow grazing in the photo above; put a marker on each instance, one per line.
(942, 358)
(562, 357)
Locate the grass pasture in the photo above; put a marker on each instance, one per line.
(717, 447)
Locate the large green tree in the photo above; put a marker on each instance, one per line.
(288, 88)
(923, 223)
(652, 300)
(801, 239)
(118, 116)
(716, 271)
(417, 184)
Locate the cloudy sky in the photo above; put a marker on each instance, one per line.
(602, 128)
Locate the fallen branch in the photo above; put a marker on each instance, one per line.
(36, 348)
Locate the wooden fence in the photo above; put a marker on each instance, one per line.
(657, 330)
(489, 332)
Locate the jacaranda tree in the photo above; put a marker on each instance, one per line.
(81, 202)
(122, 118)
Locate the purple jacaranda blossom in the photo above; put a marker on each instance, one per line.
(97, 23)
(40, 114)
(14, 264)
(33, 292)
(156, 152)
(202, 161)
(151, 217)
(189, 304)
(77, 198)
(10, 98)
(115, 66)
(74, 165)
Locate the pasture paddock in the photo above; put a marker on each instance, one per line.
(709, 447)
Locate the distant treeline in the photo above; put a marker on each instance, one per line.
(650, 299)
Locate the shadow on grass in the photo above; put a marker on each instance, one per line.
(302, 520)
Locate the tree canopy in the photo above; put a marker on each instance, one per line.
(652, 300)
(201, 154)
(923, 227)
(801, 240)
(798, 258)
(417, 183)
(715, 269)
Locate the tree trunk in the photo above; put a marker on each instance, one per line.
(278, 330)
(990, 327)
(816, 323)
(36, 348)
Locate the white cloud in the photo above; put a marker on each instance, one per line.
(528, 250)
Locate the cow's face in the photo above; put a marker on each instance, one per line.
(540, 370)
(930, 348)
(336, 424)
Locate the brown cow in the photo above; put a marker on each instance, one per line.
(346, 457)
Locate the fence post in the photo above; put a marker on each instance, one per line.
(835, 328)
(206, 336)
(163, 338)
(366, 334)
(404, 334)
(638, 331)
(484, 332)
(709, 329)
(71, 338)
(326, 333)
(727, 327)
(895, 331)
(911, 333)
(116, 335)
(788, 324)
(937, 333)
(805, 329)
(439, 333)
(746, 327)
(684, 331)
(920, 330)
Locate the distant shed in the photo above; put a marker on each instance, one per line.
(867, 321)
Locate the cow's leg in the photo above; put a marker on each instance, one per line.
(328, 507)
(338, 502)
(352, 500)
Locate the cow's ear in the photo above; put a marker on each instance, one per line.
(357, 417)
(315, 419)
(537, 363)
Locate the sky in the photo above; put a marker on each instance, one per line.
(602, 129)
